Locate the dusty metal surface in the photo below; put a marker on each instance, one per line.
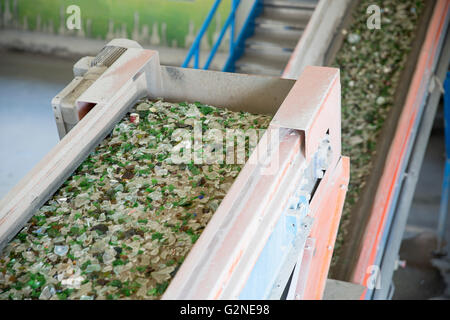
(252, 93)
(259, 94)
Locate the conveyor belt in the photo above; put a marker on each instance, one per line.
(286, 200)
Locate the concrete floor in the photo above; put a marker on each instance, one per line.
(27, 127)
(27, 132)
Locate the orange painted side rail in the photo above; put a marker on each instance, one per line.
(389, 181)
(327, 217)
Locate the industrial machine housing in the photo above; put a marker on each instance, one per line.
(281, 215)
(273, 235)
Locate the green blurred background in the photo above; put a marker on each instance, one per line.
(176, 14)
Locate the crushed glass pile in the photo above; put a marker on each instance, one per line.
(122, 224)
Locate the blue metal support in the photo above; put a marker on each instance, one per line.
(237, 44)
(443, 212)
(247, 31)
(230, 22)
(197, 58)
(195, 48)
(234, 7)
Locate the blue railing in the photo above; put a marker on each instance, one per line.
(194, 51)
(247, 30)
